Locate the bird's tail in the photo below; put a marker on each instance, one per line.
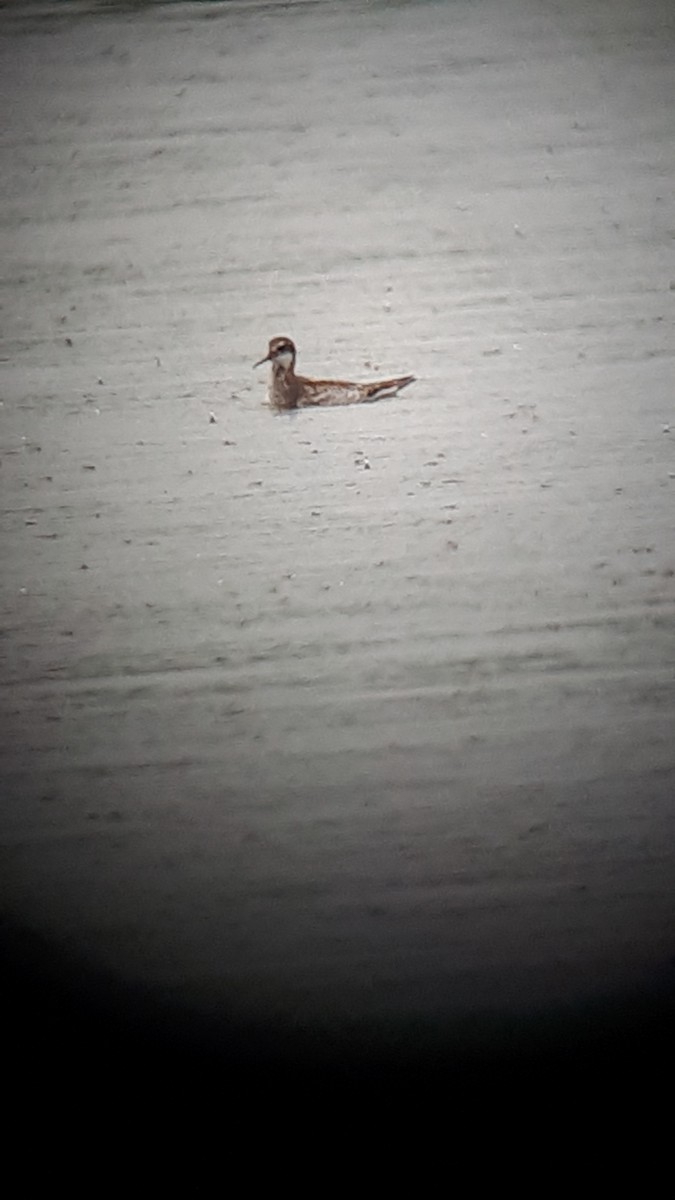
(384, 388)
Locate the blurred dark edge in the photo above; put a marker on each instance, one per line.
(75, 7)
(63, 1020)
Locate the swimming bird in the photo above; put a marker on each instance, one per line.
(287, 390)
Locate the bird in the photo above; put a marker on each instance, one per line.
(289, 391)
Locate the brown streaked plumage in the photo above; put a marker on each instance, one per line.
(288, 390)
